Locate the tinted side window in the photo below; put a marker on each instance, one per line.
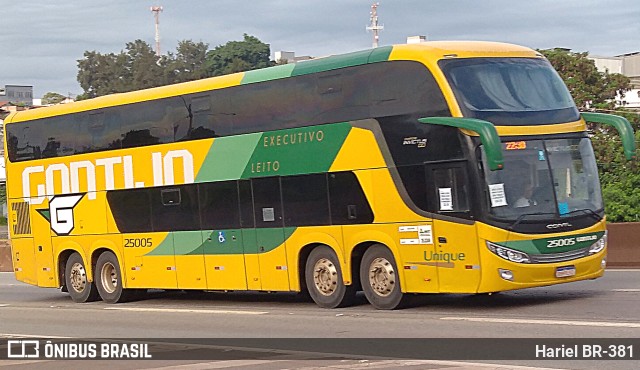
(305, 199)
(210, 116)
(415, 182)
(219, 205)
(349, 204)
(57, 136)
(175, 208)
(99, 131)
(246, 204)
(19, 143)
(266, 200)
(151, 122)
(131, 210)
(449, 193)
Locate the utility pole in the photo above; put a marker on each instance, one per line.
(374, 24)
(156, 12)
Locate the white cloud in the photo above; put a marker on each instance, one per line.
(43, 40)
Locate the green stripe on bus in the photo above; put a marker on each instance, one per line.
(212, 242)
(228, 157)
(297, 151)
(266, 74)
(341, 61)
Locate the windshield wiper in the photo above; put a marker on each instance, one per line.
(524, 215)
(588, 211)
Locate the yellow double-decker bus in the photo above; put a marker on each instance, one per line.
(443, 167)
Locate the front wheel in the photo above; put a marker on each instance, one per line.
(380, 279)
(324, 279)
(78, 285)
(109, 280)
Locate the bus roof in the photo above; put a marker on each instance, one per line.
(431, 51)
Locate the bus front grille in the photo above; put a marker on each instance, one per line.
(559, 257)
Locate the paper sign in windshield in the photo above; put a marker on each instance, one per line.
(446, 204)
(498, 198)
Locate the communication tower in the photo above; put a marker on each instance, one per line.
(156, 12)
(375, 27)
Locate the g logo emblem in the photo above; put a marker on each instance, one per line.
(61, 211)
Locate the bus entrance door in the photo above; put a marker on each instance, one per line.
(457, 257)
(456, 247)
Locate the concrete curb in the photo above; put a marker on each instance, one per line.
(5, 256)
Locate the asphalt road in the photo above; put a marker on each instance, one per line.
(603, 308)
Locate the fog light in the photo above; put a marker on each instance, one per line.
(603, 263)
(506, 274)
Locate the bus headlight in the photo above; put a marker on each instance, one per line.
(508, 253)
(599, 245)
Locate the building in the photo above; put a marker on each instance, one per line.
(289, 57)
(628, 65)
(17, 94)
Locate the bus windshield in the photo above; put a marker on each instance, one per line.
(510, 91)
(557, 178)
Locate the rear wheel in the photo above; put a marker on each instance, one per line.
(76, 281)
(380, 279)
(324, 279)
(109, 280)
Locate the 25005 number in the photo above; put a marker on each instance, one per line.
(138, 243)
(561, 242)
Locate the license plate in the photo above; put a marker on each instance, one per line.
(565, 271)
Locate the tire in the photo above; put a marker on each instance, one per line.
(76, 280)
(109, 280)
(324, 279)
(380, 279)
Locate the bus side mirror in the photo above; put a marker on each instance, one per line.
(485, 129)
(619, 123)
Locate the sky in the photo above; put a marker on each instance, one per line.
(42, 40)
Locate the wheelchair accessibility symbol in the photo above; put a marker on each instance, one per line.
(221, 237)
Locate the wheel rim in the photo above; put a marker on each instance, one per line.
(325, 276)
(78, 277)
(382, 277)
(109, 277)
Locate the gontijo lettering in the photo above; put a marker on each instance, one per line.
(68, 176)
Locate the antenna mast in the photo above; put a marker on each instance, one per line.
(374, 24)
(156, 12)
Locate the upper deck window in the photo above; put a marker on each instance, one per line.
(510, 91)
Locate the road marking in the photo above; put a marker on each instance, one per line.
(623, 270)
(547, 322)
(4, 363)
(215, 365)
(3, 305)
(12, 335)
(362, 364)
(182, 310)
(625, 290)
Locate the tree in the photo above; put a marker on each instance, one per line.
(590, 88)
(143, 66)
(137, 67)
(52, 98)
(238, 56)
(189, 63)
(100, 74)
